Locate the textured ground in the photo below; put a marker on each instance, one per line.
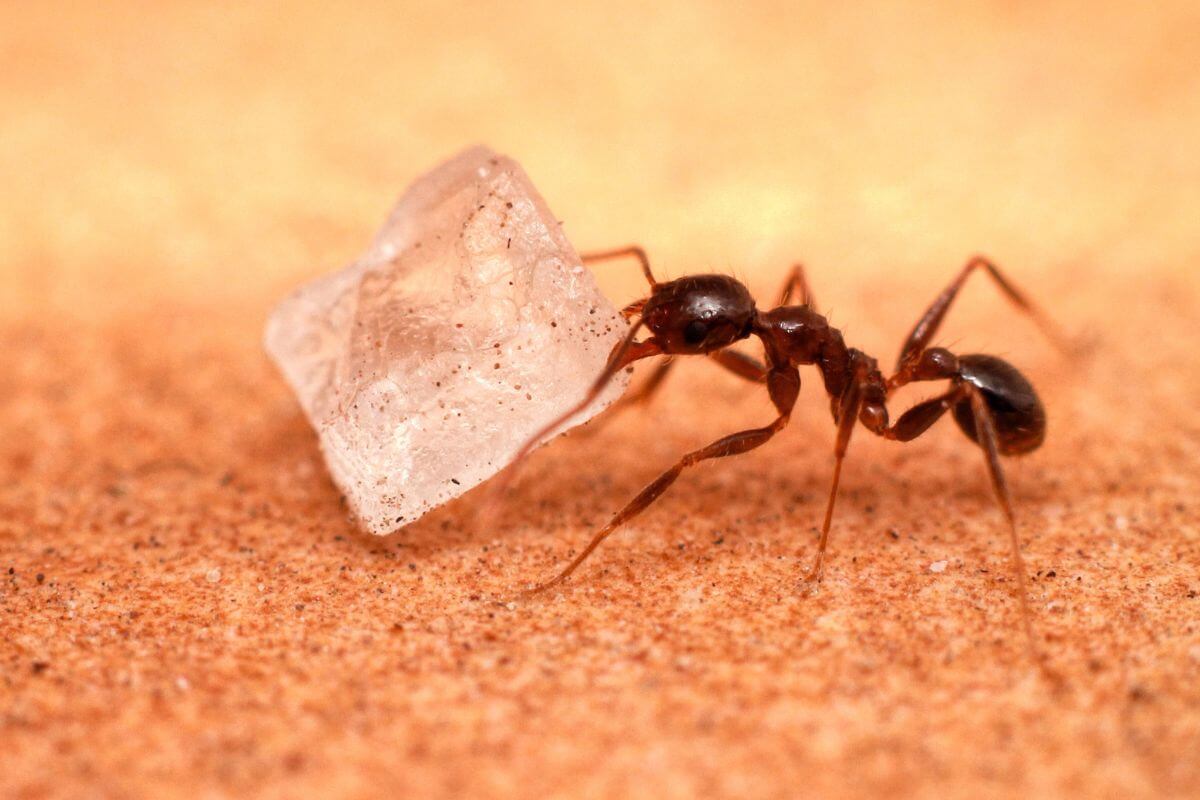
(185, 609)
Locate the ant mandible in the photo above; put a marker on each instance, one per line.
(993, 403)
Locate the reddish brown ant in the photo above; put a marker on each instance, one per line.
(993, 403)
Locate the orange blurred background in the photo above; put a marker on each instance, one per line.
(169, 170)
(179, 152)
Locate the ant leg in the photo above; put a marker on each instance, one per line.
(920, 418)
(633, 309)
(847, 416)
(985, 432)
(643, 393)
(624, 354)
(796, 281)
(741, 365)
(927, 326)
(784, 386)
(621, 252)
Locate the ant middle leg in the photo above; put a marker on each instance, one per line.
(784, 387)
(927, 326)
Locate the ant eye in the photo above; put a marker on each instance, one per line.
(695, 332)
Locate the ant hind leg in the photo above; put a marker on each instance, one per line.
(985, 431)
(920, 418)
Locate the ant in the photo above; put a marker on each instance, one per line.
(994, 404)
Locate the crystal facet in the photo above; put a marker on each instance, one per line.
(468, 325)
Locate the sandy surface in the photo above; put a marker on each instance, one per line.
(185, 609)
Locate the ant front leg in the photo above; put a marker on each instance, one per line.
(927, 326)
(623, 252)
(649, 387)
(633, 309)
(784, 387)
(744, 366)
(625, 353)
(739, 364)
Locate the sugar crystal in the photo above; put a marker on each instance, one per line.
(468, 325)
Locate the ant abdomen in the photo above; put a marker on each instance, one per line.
(1017, 411)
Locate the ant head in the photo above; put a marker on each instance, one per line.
(699, 313)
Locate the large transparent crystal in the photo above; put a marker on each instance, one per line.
(468, 325)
